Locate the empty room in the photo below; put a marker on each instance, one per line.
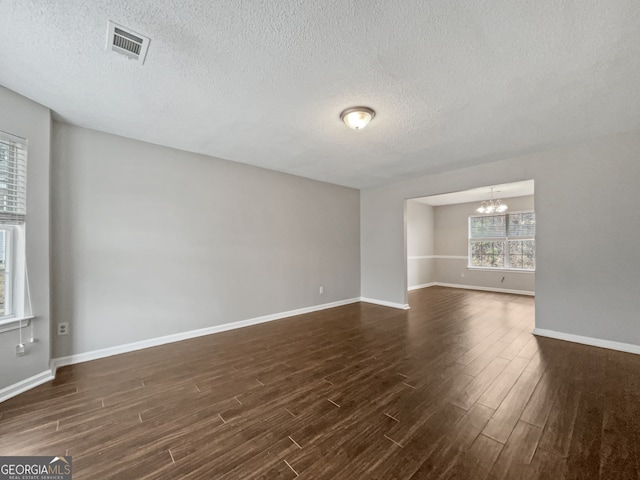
(392, 240)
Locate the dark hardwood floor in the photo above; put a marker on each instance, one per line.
(457, 387)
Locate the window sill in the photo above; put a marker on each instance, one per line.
(503, 270)
(9, 324)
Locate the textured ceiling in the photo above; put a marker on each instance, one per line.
(263, 82)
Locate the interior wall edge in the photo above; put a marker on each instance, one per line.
(384, 303)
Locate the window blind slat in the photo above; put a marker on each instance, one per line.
(13, 178)
(490, 226)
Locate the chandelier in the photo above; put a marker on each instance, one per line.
(492, 206)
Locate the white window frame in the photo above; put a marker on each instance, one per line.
(506, 239)
(17, 313)
(8, 273)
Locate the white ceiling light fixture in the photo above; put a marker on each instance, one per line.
(492, 206)
(357, 117)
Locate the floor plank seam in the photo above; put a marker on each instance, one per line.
(295, 443)
(391, 417)
(292, 469)
(393, 441)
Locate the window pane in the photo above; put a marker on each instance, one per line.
(522, 225)
(3, 309)
(528, 247)
(522, 254)
(489, 226)
(515, 247)
(529, 262)
(488, 254)
(515, 261)
(3, 250)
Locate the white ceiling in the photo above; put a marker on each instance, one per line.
(264, 82)
(506, 190)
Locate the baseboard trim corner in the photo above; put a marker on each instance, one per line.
(176, 337)
(27, 384)
(423, 285)
(384, 303)
(594, 342)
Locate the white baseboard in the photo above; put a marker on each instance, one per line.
(423, 285)
(154, 342)
(26, 384)
(485, 289)
(401, 306)
(594, 342)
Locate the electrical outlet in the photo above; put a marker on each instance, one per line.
(321, 290)
(63, 328)
(462, 275)
(20, 350)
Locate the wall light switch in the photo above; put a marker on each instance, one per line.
(321, 290)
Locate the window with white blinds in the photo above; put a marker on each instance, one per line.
(505, 241)
(13, 179)
(13, 210)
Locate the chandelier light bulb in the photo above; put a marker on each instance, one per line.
(491, 206)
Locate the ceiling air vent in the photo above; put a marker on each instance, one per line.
(126, 42)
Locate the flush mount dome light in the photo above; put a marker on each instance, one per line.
(357, 117)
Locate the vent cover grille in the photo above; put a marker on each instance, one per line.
(126, 42)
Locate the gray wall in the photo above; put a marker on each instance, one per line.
(150, 241)
(451, 229)
(32, 121)
(420, 243)
(588, 231)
